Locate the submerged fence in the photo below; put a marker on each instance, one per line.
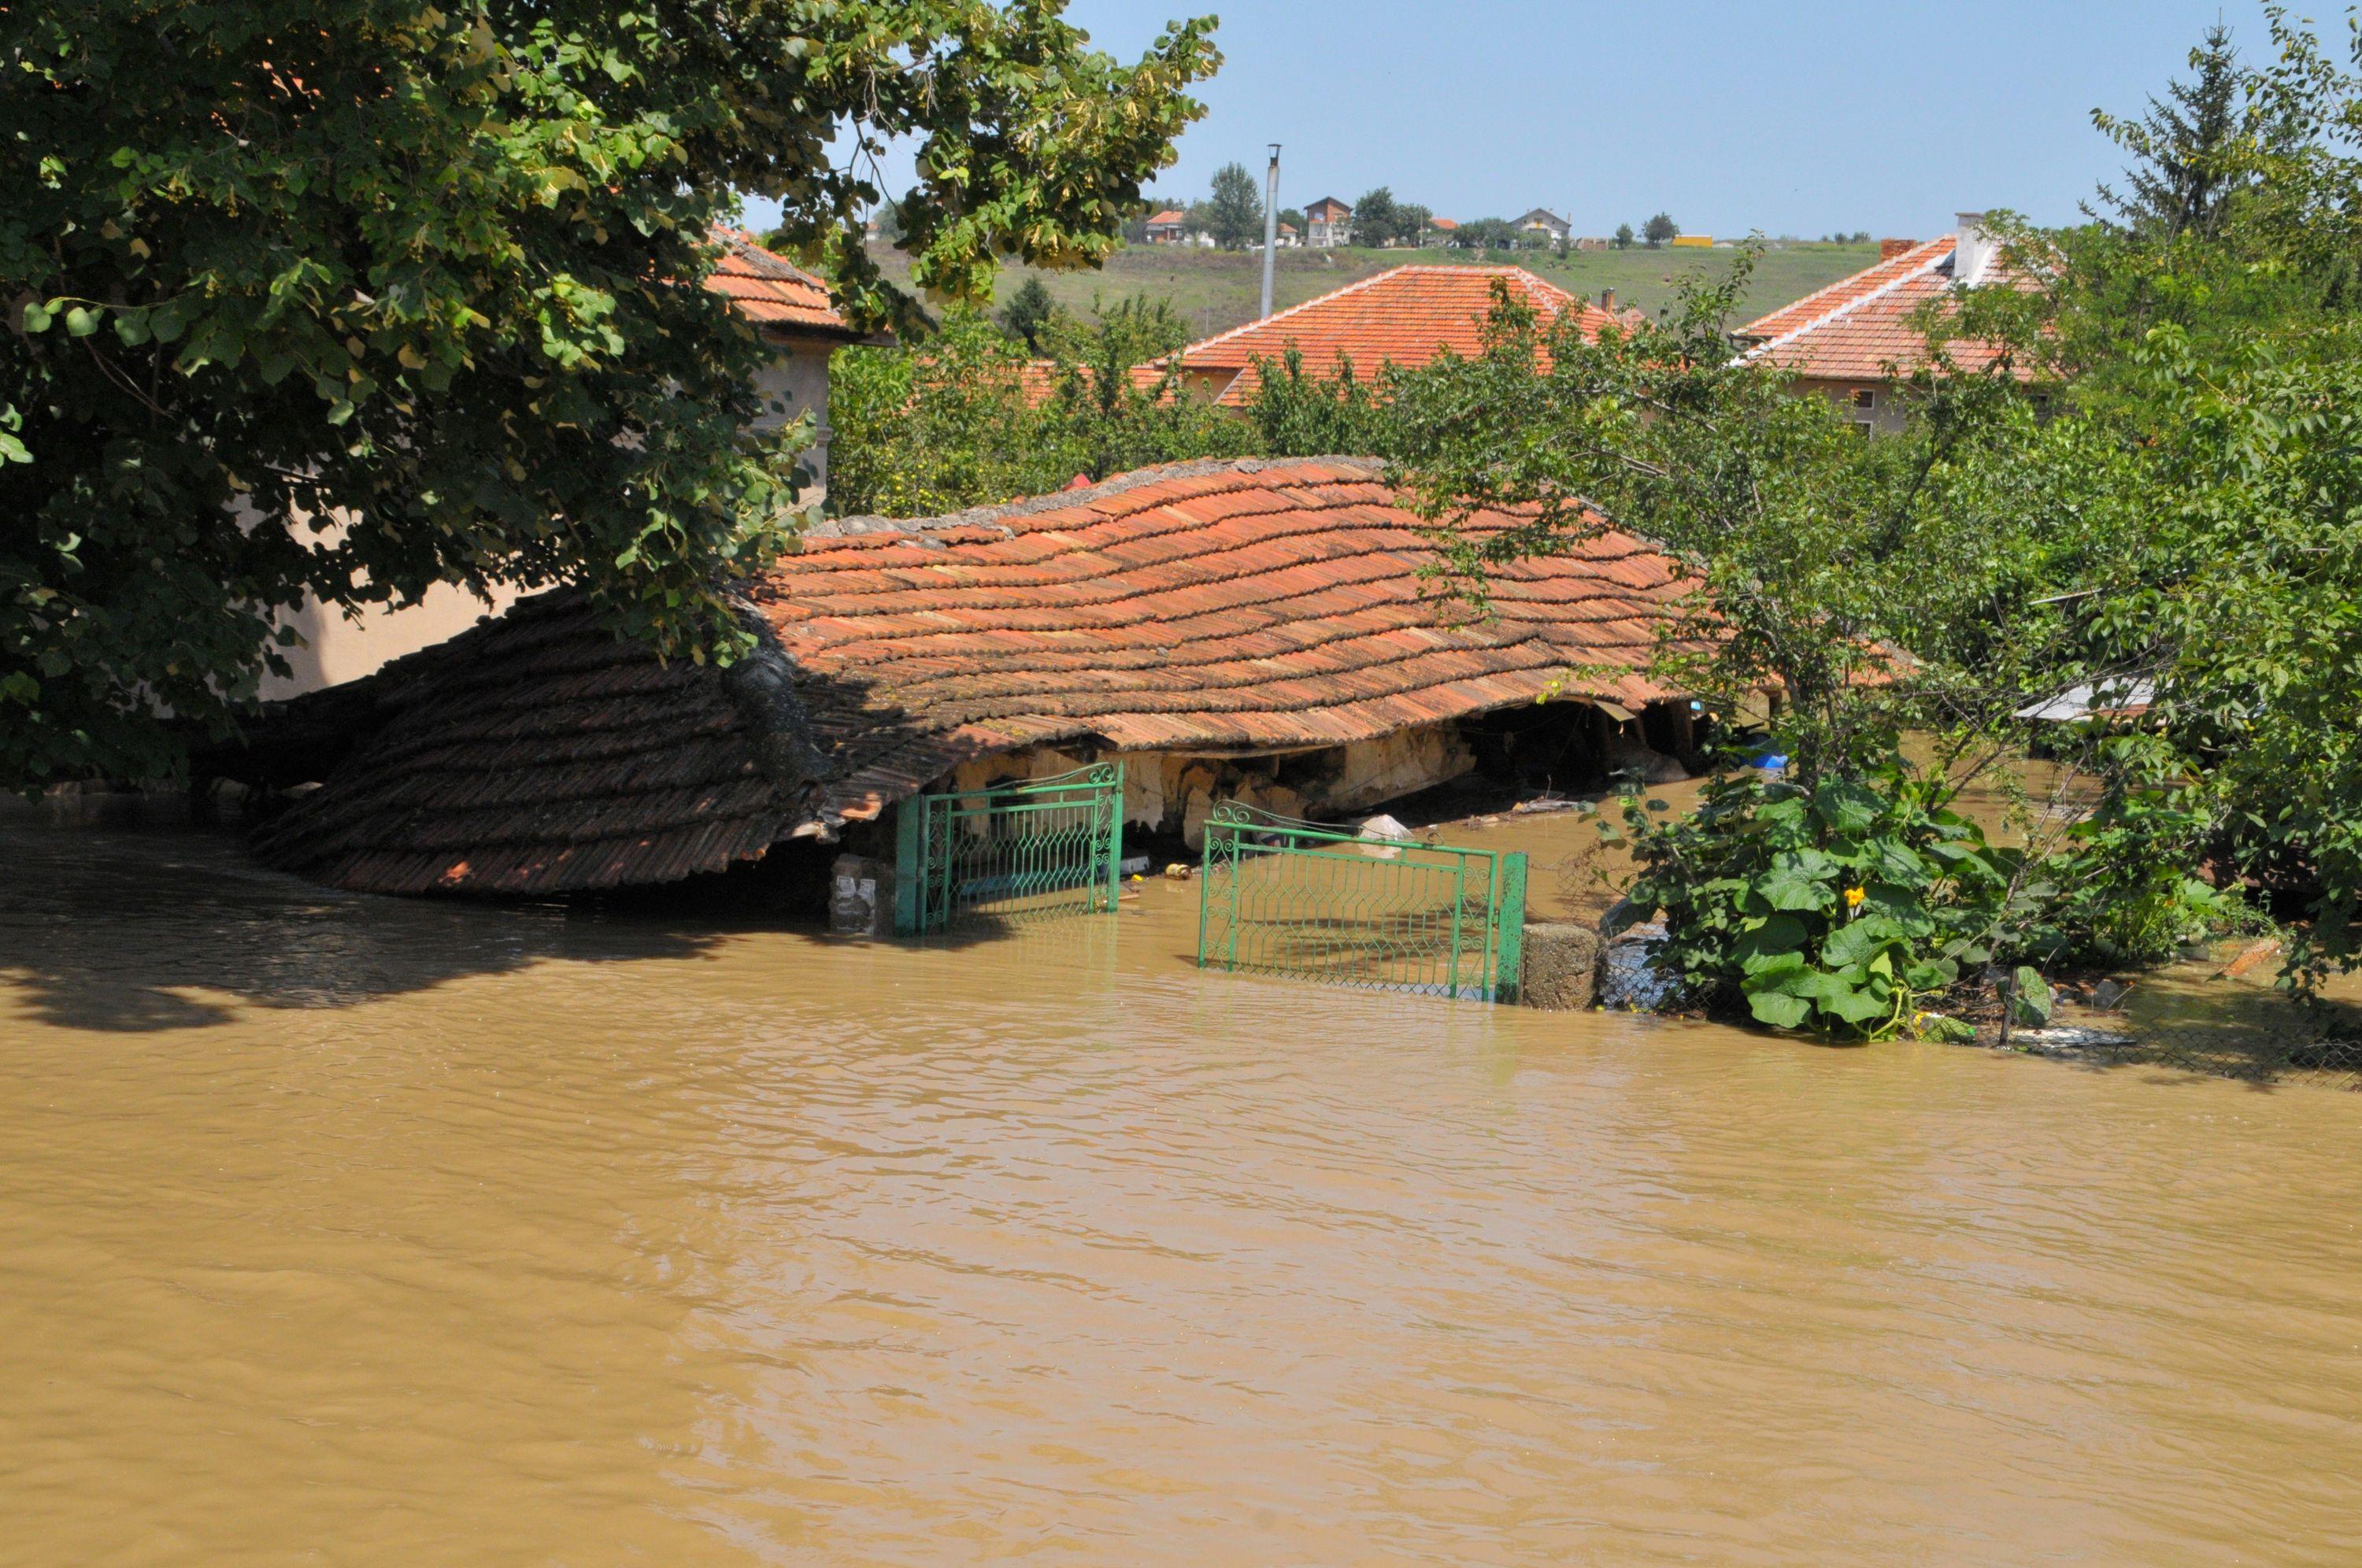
(2212, 1028)
(1283, 897)
(1042, 847)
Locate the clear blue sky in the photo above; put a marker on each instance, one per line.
(1792, 116)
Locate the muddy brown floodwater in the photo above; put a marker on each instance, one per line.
(342, 1230)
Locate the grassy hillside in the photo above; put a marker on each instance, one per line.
(1215, 290)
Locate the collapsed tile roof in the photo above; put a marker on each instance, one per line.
(1238, 606)
(1860, 328)
(1407, 314)
(773, 293)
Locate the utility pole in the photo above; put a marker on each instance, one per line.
(1270, 224)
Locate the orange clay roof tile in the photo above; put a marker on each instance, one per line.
(771, 292)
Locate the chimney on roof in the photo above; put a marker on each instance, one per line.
(1973, 251)
(1888, 249)
(1607, 301)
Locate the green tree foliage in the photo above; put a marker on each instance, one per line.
(1658, 230)
(434, 276)
(1028, 313)
(1816, 556)
(1377, 219)
(1413, 224)
(1233, 213)
(1820, 550)
(1491, 234)
(2182, 176)
(918, 433)
(1298, 415)
(960, 420)
(2173, 502)
(1623, 237)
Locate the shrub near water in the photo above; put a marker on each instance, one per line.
(1845, 906)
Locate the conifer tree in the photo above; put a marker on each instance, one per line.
(2181, 177)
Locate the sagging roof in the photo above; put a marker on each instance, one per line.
(773, 293)
(1406, 315)
(1232, 606)
(1859, 329)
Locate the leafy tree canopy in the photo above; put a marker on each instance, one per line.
(1377, 219)
(434, 276)
(1659, 229)
(1234, 208)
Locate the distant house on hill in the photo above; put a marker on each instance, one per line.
(1405, 315)
(1439, 232)
(1594, 242)
(788, 308)
(1691, 242)
(1288, 237)
(1168, 227)
(1328, 223)
(1854, 342)
(1545, 223)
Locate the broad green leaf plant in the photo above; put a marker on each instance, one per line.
(1848, 907)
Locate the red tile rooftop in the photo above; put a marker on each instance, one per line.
(1860, 328)
(1232, 605)
(1408, 315)
(772, 291)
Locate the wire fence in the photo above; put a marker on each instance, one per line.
(2189, 1020)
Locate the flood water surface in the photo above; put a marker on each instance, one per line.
(342, 1230)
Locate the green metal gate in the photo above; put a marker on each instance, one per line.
(1045, 846)
(1285, 897)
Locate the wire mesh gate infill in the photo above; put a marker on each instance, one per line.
(1042, 847)
(1283, 897)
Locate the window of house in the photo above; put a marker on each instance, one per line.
(1865, 399)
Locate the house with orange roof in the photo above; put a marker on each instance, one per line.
(1855, 342)
(1406, 317)
(1168, 226)
(790, 311)
(1263, 631)
(1440, 231)
(788, 308)
(1328, 223)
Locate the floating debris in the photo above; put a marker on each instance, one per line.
(2068, 1040)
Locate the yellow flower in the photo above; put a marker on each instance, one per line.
(1853, 897)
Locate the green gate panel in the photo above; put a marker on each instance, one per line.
(1285, 897)
(1509, 920)
(1039, 847)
